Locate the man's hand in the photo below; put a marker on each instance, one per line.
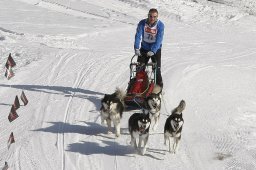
(150, 54)
(137, 52)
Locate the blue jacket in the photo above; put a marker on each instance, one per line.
(139, 37)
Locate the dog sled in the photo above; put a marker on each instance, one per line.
(141, 84)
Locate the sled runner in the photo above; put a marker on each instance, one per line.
(141, 84)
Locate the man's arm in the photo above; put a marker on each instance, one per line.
(138, 35)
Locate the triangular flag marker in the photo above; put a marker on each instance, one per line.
(9, 73)
(5, 166)
(10, 63)
(24, 98)
(12, 115)
(16, 103)
(11, 140)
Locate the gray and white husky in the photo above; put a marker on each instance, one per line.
(139, 124)
(173, 127)
(112, 109)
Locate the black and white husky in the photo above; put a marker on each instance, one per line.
(139, 124)
(153, 102)
(173, 127)
(153, 105)
(112, 109)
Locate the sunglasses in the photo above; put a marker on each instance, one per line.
(152, 16)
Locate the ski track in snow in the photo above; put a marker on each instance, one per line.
(79, 80)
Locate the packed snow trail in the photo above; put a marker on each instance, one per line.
(68, 58)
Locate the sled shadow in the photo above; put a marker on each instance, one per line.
(89, 128)
(92, 96)
(109, 148)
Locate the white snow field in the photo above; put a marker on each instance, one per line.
(69, 53)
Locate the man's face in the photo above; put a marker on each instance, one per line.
(152, 17)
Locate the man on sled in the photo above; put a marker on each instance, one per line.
(148, 42)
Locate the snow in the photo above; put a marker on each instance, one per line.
(69, 53)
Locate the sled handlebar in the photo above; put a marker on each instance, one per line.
(137, 63)
(133, 57)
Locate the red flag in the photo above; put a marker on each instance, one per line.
(16, 103)
(5, 166)
(12, 115)
(11, 140)
(10, 62)
(24, 98)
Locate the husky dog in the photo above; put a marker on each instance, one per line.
(139, 124)
(112, 109)
(173, 127)
(153, 102)
(153, 105)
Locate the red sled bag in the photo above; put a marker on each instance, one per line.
(140, 84)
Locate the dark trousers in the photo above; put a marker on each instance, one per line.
(155, 59)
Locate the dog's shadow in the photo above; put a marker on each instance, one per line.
(107, 147)
(88, 128)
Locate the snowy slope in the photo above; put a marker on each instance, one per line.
(70, 53)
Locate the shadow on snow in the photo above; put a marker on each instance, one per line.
(90, 128)
(108, 148)
(61, 90)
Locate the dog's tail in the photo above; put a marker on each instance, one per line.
(157, 89)
(120, 94)
(179, 109)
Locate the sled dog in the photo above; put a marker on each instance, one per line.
(112, 107)
(173, 127)
(153, 104)
(139, 124)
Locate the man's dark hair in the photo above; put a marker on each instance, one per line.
(153, 10)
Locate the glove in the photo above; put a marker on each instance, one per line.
(137, 52)
(150, 54)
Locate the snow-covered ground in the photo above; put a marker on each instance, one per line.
(69, 53)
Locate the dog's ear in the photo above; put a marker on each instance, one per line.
(147, 115)
(103, 98)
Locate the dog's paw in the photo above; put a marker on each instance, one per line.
(117, 135)
(109, 132)
(172, 152)
(103, 122)
(143, 151)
